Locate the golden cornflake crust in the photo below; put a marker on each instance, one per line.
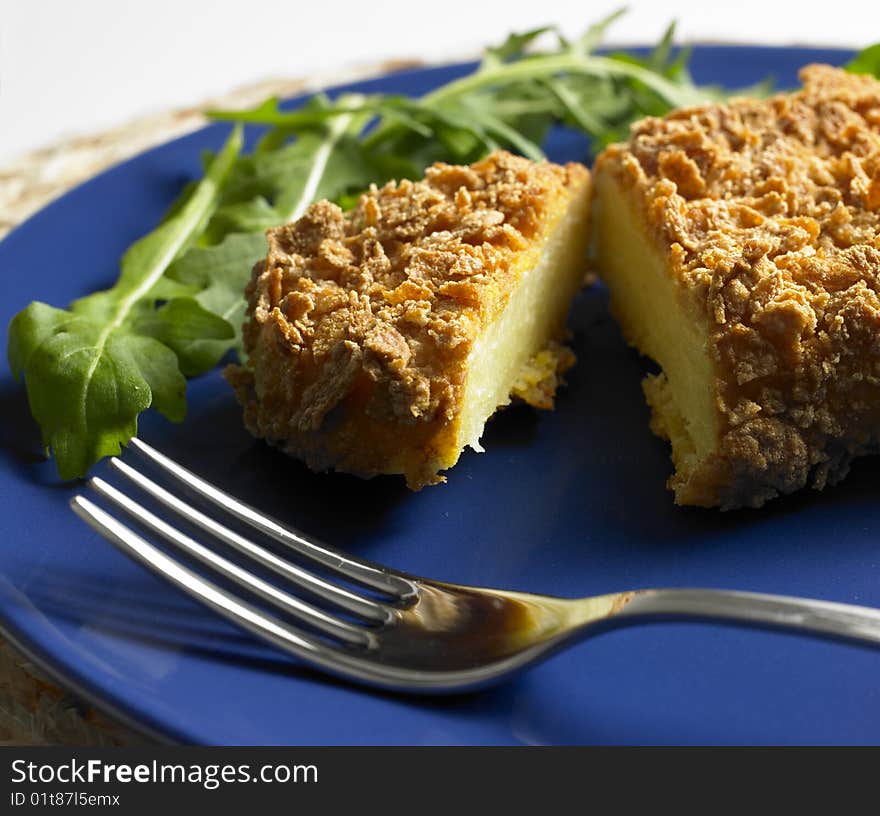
(769, 215)
(360, 323)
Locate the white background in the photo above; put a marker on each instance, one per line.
(74, 66)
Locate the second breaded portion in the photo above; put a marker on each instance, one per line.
(381, 340)
(741, 245)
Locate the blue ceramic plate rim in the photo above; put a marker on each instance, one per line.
(39, 643)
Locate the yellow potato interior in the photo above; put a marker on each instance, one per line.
(533, 316)
(654, 316)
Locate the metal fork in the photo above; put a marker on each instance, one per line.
(379, 626)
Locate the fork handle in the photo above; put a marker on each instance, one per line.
(824, 618)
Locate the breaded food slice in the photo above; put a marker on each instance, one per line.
(741, 246)
(380, 341)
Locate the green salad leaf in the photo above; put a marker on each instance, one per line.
(867, 61)
(92, 368)
(177, 307)
(217, 274)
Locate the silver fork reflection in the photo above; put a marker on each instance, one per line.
(383, 627)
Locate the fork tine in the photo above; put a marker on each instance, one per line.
(287, 637)
(356, 569)
(364, 607)
(303, 611)
(365, 665)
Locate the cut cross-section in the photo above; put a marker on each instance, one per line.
(741, 247)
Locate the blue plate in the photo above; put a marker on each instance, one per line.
(570, 503)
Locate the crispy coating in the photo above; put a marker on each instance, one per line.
(769, 215)
(360, 324)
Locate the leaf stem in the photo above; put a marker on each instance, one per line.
(180, 230)
(335, 131)
(545, 66)
(287, 119)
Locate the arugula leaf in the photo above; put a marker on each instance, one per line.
(575, 112)
(867, 61)
(255, 215)
(91, 369)
(513, 47)
(493, 128)
(513, 97)
(218, 273)
(594, 34)
(331, 164)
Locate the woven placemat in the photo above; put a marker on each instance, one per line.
(34, 710)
